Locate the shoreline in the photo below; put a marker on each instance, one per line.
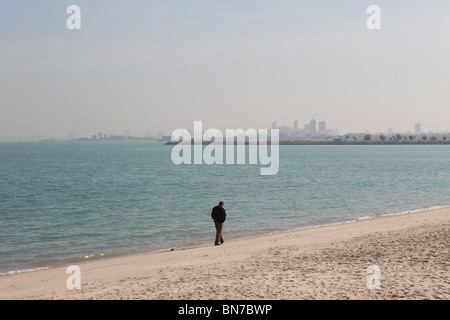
(117, 277)
(102, 257)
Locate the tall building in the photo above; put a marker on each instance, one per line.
(313, 126)
(296, 125)
(322, 126)
(274, 125)
(417, 128)
(310, 127)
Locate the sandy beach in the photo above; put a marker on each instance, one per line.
(330, 262)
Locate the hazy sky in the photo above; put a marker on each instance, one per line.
(146, 66)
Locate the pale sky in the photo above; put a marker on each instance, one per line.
(151, 66)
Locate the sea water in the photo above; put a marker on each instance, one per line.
(68, 202)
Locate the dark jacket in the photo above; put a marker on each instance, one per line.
(218, 214)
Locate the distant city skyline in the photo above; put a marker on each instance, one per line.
(153, 66)
(320, 126)
(319, 130)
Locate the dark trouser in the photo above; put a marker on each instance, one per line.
(219, 238)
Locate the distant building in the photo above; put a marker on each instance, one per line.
(322, 126)
(296, 125)
(285, 132)
(274, 125)
(310, 128)
(417, 128)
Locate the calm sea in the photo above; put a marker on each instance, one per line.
(64, 202)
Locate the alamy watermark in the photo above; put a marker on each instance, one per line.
(374, 278)
(216, 143)
(374, 20)
(74, 280)
(73, 22)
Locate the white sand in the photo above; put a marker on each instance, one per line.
(411, 251)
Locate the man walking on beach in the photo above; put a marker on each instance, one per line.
(219, 215)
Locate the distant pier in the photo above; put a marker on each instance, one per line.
(332, 142)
